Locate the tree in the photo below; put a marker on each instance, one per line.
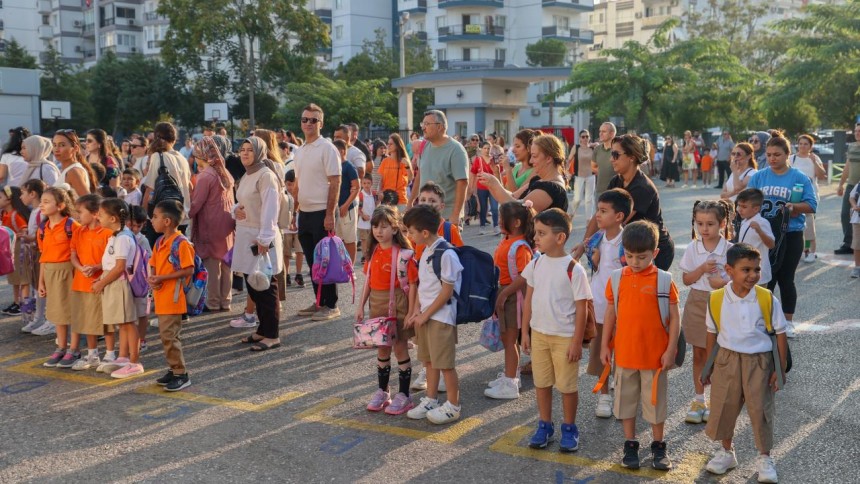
(16, 56)
(546, 53)
(58, 82)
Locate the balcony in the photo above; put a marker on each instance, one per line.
(412, 6)
(581, 5)
(45, 6)
(153, 17)
(465, 64)
(89, 30)
(154, 44)
(471, 3)
(568, 35)
(453, 33)
(45, 31)
(324, 14)
(654, 21)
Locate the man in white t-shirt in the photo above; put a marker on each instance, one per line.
(353, 154)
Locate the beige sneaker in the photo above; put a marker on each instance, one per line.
(325, 314)
(309, 311)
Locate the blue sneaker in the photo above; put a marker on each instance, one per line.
(542, 436)
(569, 438)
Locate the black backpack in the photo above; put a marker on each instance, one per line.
(165, 188)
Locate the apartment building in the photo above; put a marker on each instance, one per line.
(20, 21)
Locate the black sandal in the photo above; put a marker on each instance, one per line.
(260, 346)
(250, 339)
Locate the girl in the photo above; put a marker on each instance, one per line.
(118, 306)
(31, 194)
(99, 151)
(88, 245)
(703, 265)
(387, 237)
(513, 253)
(810, 164)
(56, 271)
(483, 163)
(15, 216)
(689, 159)
(136, 221)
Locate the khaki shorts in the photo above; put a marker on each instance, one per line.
(693, 321)
(58, 285)
(437, 343)
(347, 227)
(634, 386)
(508, 319)
(379, 308)
(549, 363)
(291, 245)
(88, 317)
(855, 241)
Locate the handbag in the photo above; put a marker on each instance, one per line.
(380, 331)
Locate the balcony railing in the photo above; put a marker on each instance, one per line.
(570, 35)
(471, 32)
(456, 64)
(154, 44)
(582, 5)
(412, 6)
(153, 16)
(324, 14)
(471, 3)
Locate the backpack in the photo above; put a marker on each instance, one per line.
(446, 231)
(778, 219)
(67, 226)
(480, 282)
(332, 264)
(594, 243)
(7, 261)
(195, 290)
(765, 303)
(166, 188)
(138, 278)
(406, 256)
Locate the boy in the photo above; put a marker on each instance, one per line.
(366, 206)
(855, 227)
(291, 237)
(644, 350)
(554, 310)
(346, 216)
(135, 223)
(169, 300)
(744, 372)
(755, 230)
(130, 181)
(434, 318)
(613, 208)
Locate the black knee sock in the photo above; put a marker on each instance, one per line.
(383, 374)
(404, 376)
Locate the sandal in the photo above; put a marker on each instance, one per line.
(250, 339)
(260, 346)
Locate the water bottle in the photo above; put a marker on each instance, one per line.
(721, 269)
(796, 193)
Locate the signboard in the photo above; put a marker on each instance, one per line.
(472, 28)
(56, 110)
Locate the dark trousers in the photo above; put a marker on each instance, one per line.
(845, 217)
(723, 172)
(666, 255)
(785, 275)
(311, 232)
(268, 308)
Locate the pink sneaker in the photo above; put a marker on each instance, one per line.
(128, 370)
(379, 400)
(400, 404)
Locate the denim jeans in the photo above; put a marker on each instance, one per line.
(486, 200)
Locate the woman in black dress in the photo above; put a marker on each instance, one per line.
(669, 172)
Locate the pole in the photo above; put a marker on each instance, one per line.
(253, 80)
(405, 96)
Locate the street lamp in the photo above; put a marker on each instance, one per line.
(404, 17)
(405, 98)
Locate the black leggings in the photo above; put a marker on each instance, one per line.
(785, 275)
(268, 308)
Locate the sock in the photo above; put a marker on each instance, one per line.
(92, 352)
(404, 377)
(383, 374)
(250, 315)
(807, 244)
(700, 398)
(110, 355)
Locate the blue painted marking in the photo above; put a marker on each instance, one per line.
(21, 387)
(341, 444)
(180, 410)
(560, 478)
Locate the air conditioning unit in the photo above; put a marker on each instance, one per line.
(78, 24)
(535, 111)
(78, 48)
(131, 21)
(638, 15)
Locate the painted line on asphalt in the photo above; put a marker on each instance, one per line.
(220, 402)
(447, 436)
(35, 368)
(687, 471)
(15, 356)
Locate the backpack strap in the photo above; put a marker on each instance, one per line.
(615, 282)
(664, 285)
(68, 227)
(513, 271)
(436, 259)
(174, 261)
(446, 231)
(405, 256)
(715, 307)
(765, 302)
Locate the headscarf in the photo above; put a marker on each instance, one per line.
(260, 156)
(208, 150)
(763, 138)
(223, 145)
(38, 149)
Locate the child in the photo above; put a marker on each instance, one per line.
(613, 208)
(54, 237)
(755, 230)
(517, 225)
(555, 310)
(434, 318)
(31, 194)
(131, 183)
(366, 205)
(88, 246)
(15, 216)
(291, 240)
(118, 304)
(644, 350)
(744, 373)
(702, 267)
(855, 227)
(169, 302)
(387, 238)
(141, 304)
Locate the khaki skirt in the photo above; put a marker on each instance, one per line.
(693, 321)
(379, 307)
(118, 303)
(58, 286)
(88, 315)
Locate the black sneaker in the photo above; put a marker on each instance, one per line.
(659, 457)
(289, 281)
(300, 281)
(12, 309)
(178, 383)
(167, 378)
(839, 251)
(631, 455)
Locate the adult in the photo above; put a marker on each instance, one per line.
(212, 221)
(628, 152)
(395, 171)
(443, 161)
(379, 153)
(669, 171)
(759, 140)
(75, 172)
(780, 183)
(688, 160)
(602, 157)
(36, 150)
(318, 186)
(273, 153)
(346, 215)
(12, 164)
(519, 172)
(354, 141)
(850, 177)
(161, 153)
(473, 146)
(484, 163)
(139, 160)
(724, 151)
(98, 151)
(810, 164)
(743, 166)
(257, 235)
(583, 175)
(354, 155)
(547, 189)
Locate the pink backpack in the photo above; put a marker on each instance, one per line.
(332, 264)
(7, 241)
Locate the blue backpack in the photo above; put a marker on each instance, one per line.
(480, 282)
(195, 288)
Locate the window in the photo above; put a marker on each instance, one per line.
(501, 21)
(662, 10)
(441, 22)
(501, 54)
(461, 128)
(469, 19)
(338, 32)
(441, 55)
(601, 18)
(649, 12)
(46, 20)
(470, 53)
(338, 3)
(502, 128)
(561, 22)
(419, 26)
(125, 12)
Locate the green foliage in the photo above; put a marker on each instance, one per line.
(58, 82)
(546, 53)
(16, 56)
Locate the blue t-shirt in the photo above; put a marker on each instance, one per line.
(777, 192)
(347, 175)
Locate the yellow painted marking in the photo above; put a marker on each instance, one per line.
(221, 402)
(448, 436)
(687, 471)
(35, 368)
(22, 354)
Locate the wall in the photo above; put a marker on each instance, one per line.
(19, 100)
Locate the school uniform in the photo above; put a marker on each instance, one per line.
(168, 309)
(55, 247)
(437, 339)
(21, 275)
(379, 279)
(118, 303)
(89, 246)
(748, 235)
(693, 319)
(509, 317)
(609, 261)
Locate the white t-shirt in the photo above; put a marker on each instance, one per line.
(177, 166)
(134, 197)
(609, 261)
(120, 246)
(730, 181)
(16, 165)
(429, 285)
(356, 157)
(368, 205)
(749, 236)
(555, 294)
(314, 163)
(806, 165)
(742, 327)
(696, 255)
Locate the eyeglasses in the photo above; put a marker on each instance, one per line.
(738, 154)
(65, 131)
(615, 154)
(310, 120)
(424, 125)
(475, 139)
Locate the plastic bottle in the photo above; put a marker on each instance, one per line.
(796, 193)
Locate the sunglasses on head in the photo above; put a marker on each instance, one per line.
(615, 154)
(310, 120)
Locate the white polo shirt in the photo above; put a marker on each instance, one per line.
(748, 235)
(314, 163)
(609, 261)
(742, 327)
(429, 285)
(696, 255)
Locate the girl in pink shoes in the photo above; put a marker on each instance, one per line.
(390, 251)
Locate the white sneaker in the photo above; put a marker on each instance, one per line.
(45, 329)
(497, 231)
(789, 330)
(87, 363)
(420, 382)
(111, 365)
(766, 469)
(446, 413)
(855, 273)
(722, 461)
(483, 231)
(32, 326)
(420, 411)
(244, 321)
(810, 257)
(604, 406)
(501, 375)
(506, 389)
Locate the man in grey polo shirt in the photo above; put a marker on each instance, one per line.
(724, 153)
(603, 158)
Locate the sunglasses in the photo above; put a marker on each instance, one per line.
(136, 146)
(615, 154)
(585, 136)
(475, 139)
(310, 120)
(754, 140)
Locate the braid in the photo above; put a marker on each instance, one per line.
(123, 216)
(693, 223)
(729, 212)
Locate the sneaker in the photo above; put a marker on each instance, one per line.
(143, 346)
(310, 310)
(55, 358)
(400, 404)
(722, 461)
(424, 406)
(766, 469)
(111, 365)
(127, 371)
(167, 378)
(244, 321)
(695, 186)
(45, 329)
(32, 325)
(446, 413)
(682, 186)
(178, 383)
(604, 406)
(696, 412)
(379, 400)
(326, 314)
(300, 281)
(810, 257)
(569, 438)
(855, 273)
(706, 415)
(69, 359)
(90, 362)
(789, 330)
(420, 382)
(483, 231)
(542, 436)
(631, 455)
(501, 376)
(844, 251)
(507, 389)
(497, 231)
(13, 309)
(659, 457)
(289, 281)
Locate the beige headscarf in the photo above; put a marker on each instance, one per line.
(39, 149)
